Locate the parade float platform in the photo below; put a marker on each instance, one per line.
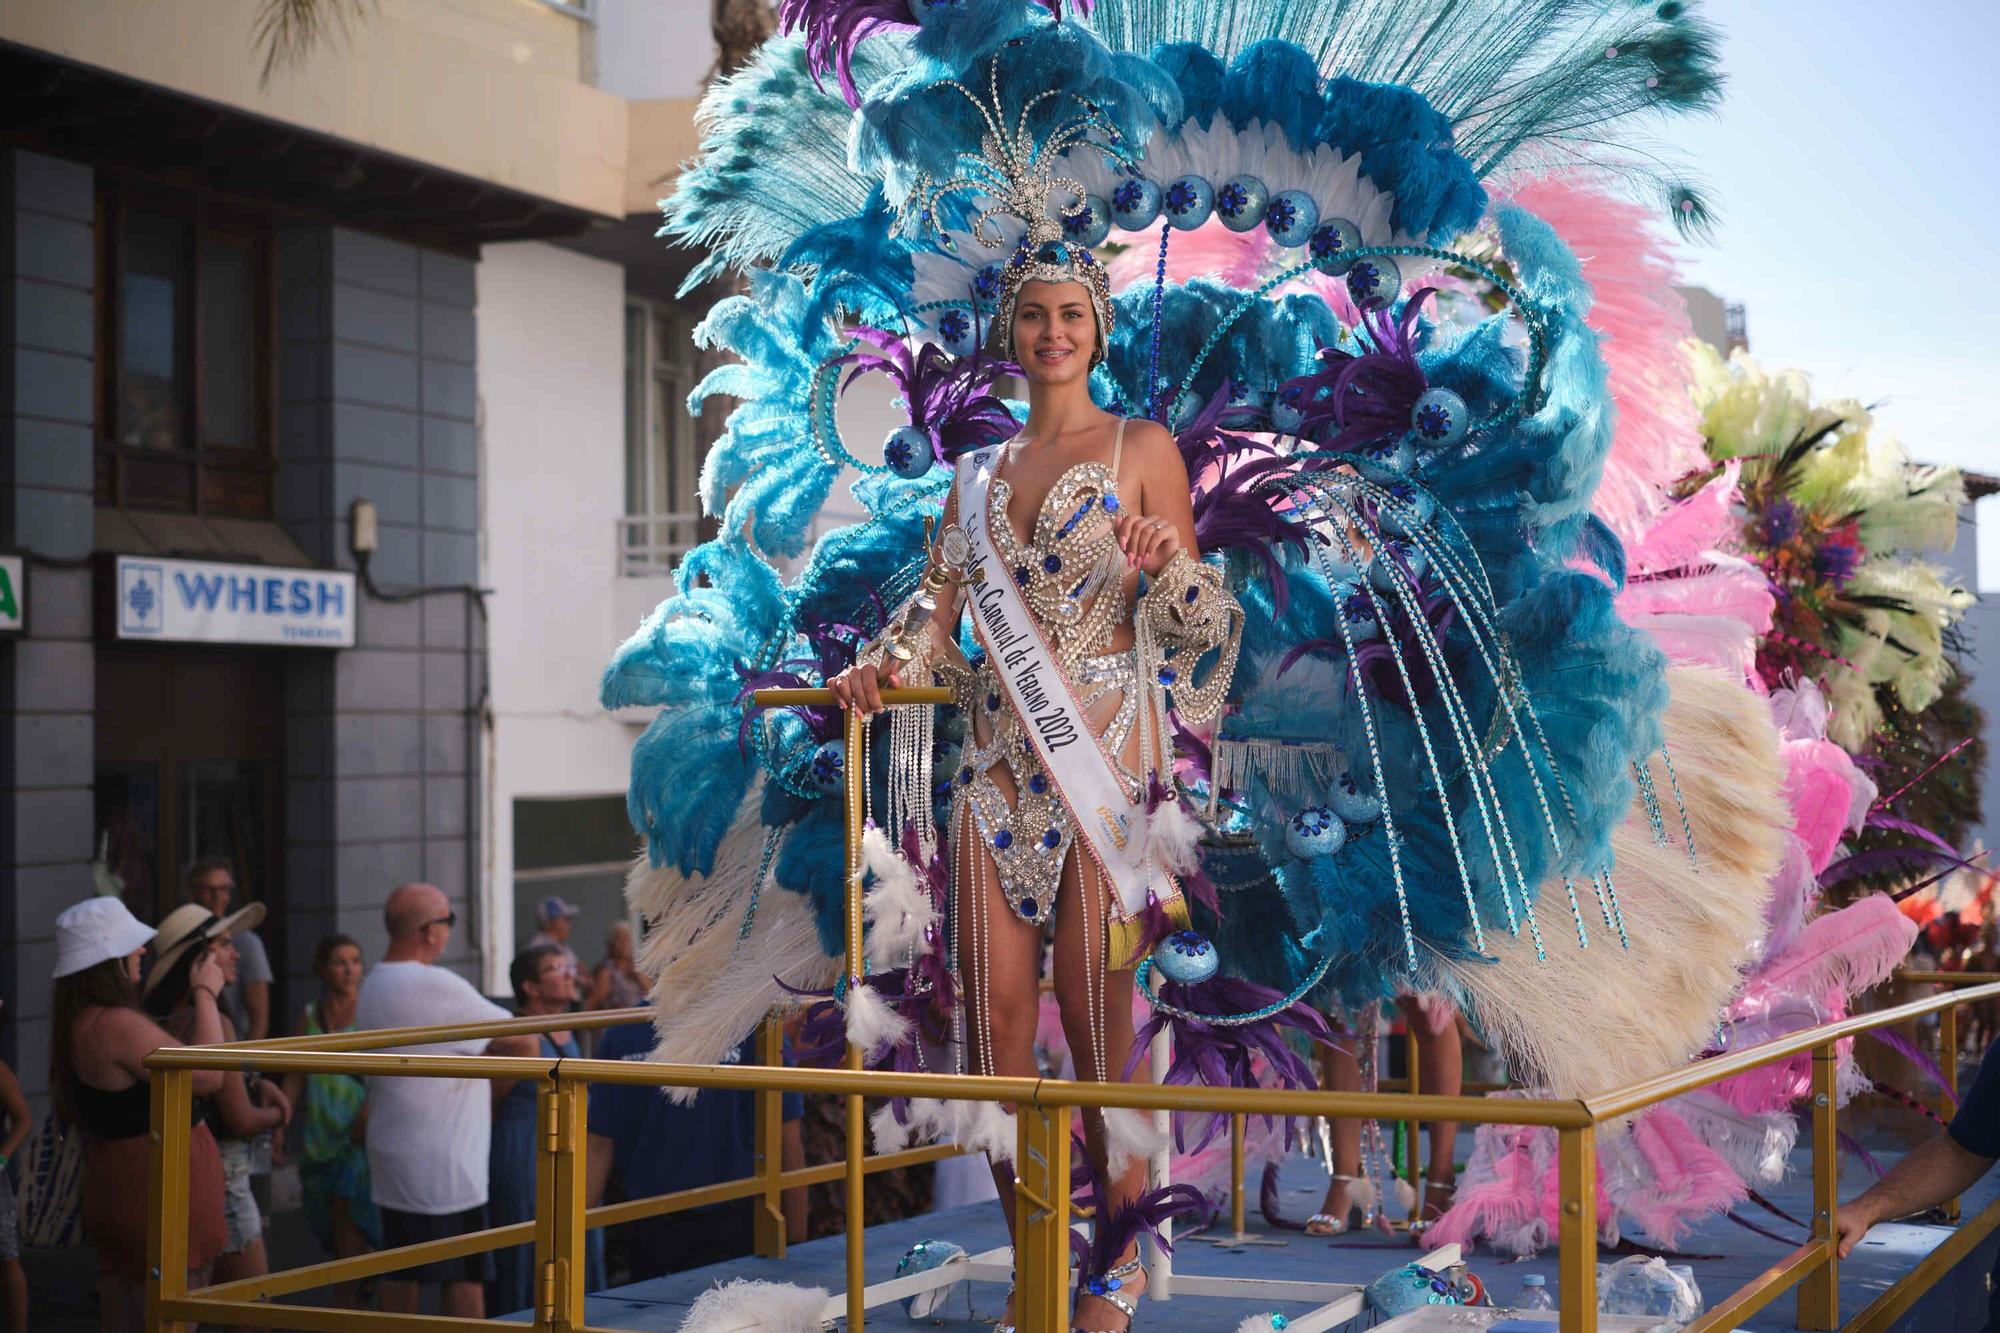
(1725, 1256)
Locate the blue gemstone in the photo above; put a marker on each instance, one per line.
(1110, 504)
(1332, 243)
(1027, 907)
(1168, 675)
(1003, 840)
(1440, 417)
(1051, 564)
(1241, 202)
(1291, 218)
(1135, 203)
(986, 284)
(992, 702)
(1051, 838)
(1189, 201)
(1038, 784)
(1193, 592)
(1021, 575)
(965, 776)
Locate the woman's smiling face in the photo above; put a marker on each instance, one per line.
(1055, 331)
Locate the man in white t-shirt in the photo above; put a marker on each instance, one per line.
(428, 1137)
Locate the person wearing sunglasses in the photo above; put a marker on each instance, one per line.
(428, 1137)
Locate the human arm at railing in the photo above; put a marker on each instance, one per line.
(524, 1045)
(921, 633)
(19, 1118)
(1936, 1171)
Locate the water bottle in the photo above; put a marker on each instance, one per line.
(1534, 1294)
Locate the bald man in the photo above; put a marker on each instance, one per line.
(427, 1137)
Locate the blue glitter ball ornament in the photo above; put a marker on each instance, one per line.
(1186, 956)
(1440, 418)
(1188, 201)
(1331, 245)
(1314, 831)
(1241, 202)
(1291, 217)
(986, 286)
(1089, 223)
(927, 1255)
(1356, 609)
(908, 452)
(1286, 416)
(1374, 281)
(958, 332)
(828, 770)
(1135, 203)
(1384, 572)
(1350, 802)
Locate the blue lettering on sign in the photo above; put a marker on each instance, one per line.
(301, 604)
(332, 599)
(198, 591)
(243, 593)
(274, 599)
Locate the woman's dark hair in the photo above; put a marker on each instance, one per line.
(323, 951)
(104, 985)
(172, 987)
(528, 966)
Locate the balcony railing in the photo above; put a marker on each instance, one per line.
(649, 545)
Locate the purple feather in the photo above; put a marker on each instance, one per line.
(833, 649)
(834, 28)
(1910, 1051)
(1362, 401)
(1118, 1227)
(1267, 1202)
(1220, 1055)
(1861, 1154)
(949, 397)
(1232, 509)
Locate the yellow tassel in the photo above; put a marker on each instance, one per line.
(1127, 935)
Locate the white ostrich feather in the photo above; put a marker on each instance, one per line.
(871, 1024)
(897, 910)
(745, 1306)
(1130, 1136)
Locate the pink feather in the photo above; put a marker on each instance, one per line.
(1643, 321)
(1209, 251)
(1688, 1180)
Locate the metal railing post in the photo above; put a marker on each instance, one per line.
(167, 1228)
(1576, 1264)
(1948, 1094)
(769, 1226)
(559, 1185)
(1041, 1217)
(1819, 1291)
(857, 1115)
(1236, 1173)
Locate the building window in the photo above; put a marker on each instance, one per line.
(185, 364)
(662, 518)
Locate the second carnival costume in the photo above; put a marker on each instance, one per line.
(1390, 732)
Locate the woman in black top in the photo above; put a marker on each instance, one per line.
(98, 1080)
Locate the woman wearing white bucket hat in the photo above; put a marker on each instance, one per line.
(98, 1079)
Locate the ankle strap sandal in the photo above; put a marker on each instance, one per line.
(1108, 1287)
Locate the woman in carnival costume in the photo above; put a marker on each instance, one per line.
(1322, 682)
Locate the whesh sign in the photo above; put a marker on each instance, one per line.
(205, 602)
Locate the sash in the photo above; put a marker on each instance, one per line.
(1112, 826)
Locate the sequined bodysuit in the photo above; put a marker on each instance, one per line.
(1071, 575)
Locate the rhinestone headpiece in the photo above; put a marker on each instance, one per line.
(1020, 179)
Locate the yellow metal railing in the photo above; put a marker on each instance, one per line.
(1042, 1150)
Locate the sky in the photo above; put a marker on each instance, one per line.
(1855, 164)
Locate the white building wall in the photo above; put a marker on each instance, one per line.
(552, 365)
(649, 49)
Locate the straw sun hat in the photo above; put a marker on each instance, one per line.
(192, 926)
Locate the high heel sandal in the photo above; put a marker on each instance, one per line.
(1326, 1224)
(1434, 1208)
(1007, 1328)
(1107, 1288)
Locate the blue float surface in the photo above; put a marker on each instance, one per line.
(1727, 1256)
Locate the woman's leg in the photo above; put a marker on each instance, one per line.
(1096, 1006)
(250, 1261)
(1000, 960)
(1440, 1070)
(1341, 1072)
